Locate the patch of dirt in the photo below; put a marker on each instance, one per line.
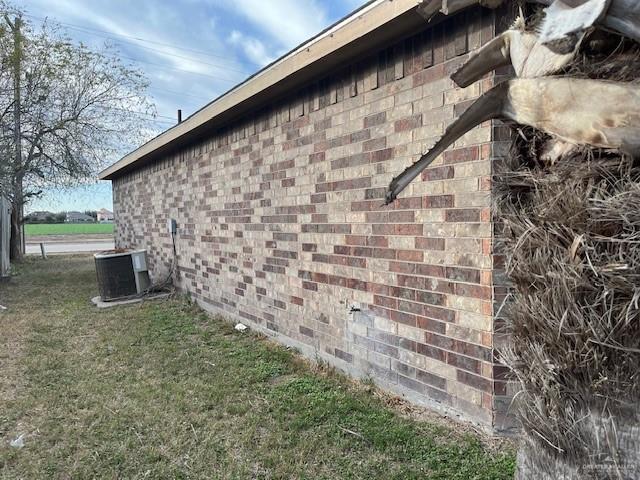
(280, 379)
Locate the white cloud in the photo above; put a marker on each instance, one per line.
(164, 24)
(253, 48)
(156, 17)
(289, 22)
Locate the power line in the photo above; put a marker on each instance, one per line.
(176, 69)
(194, 60)
(182, 94)
(166, 67)
(140, 114)
(159, 122)
(139, 39)
(148, 117)
(163, 123)
(143, 115)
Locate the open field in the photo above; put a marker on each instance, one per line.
(33, 229)
(160, 390)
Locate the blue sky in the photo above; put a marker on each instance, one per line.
(191, 51)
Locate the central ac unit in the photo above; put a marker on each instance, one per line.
(122, 273)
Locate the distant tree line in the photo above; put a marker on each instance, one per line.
(51, 217)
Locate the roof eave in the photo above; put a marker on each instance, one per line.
(333, 42)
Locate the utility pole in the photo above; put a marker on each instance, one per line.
(17, 228)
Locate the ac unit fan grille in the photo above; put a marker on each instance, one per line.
(116, 277)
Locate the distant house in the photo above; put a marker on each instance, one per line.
(39, 217)
(78, 217)
(105, 216)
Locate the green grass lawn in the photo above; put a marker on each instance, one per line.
(161, 390)
(67, 228)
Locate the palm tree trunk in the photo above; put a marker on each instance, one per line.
(614, 455)
(571, 232)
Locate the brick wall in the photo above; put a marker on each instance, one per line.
(281, 223)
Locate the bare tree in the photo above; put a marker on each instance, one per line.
(65, 111)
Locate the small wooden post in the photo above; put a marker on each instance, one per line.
(42, 250)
